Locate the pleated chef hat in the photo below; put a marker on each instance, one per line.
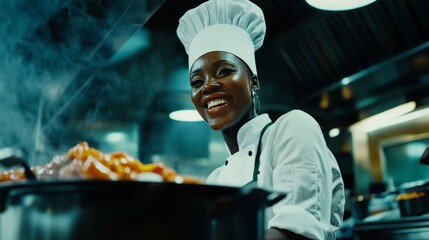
(234, 26)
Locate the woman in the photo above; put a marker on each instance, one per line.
(290, 155)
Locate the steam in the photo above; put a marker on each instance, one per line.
(53, 56)
(56, 75)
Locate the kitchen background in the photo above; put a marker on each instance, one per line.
(111, 72)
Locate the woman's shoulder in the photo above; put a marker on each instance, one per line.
(296, 124)
(296, 118)
(298, 129)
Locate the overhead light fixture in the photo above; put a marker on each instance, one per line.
(115, 137)
(338, 5)
(334, 132)
(324, 101)
(186, 116)
(387, 118)
(408, 117)
(345, 81)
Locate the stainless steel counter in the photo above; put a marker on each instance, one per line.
(407, 228)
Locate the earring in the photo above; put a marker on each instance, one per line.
(256, 103)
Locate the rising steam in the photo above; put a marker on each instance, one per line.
(53, 58)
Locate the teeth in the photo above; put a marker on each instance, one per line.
(215, 102)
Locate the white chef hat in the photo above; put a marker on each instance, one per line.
(234, 26)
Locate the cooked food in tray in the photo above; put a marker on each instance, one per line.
(85, 162)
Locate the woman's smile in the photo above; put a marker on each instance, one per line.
(216, 103)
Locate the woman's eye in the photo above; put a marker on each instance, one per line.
(196, 82)
(225, 71)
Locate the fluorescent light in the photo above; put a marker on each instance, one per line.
(404, 118)
(186, 116)
(334, 132)
(338, 5)
(115, 137)
(384, 119)
(345, 81)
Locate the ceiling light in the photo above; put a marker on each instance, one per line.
(338, 5)
(345, 81)
(324, 101)
(186, 116)
(383, 119)
(115, 137)
(405, 118)
(334, 132)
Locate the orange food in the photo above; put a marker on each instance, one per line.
(85, 162)
(12, 175)
(114, 166)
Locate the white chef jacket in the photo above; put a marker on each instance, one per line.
(294, 159)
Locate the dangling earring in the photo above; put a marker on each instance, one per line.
(256, 103)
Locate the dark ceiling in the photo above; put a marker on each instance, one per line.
(380, 49)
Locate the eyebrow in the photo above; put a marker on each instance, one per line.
(222, 61)
(213, 64)
(195, 71)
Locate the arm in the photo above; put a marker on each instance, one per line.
(302, 167)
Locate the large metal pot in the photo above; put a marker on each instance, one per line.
(106, 210)
(413, 198)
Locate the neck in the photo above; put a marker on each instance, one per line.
(230, 134)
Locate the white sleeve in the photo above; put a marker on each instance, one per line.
(302, 168)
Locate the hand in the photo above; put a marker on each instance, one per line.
(282, 234)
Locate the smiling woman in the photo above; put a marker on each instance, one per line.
(221, 89)
(289, 155)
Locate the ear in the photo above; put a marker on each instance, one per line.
(254, 83)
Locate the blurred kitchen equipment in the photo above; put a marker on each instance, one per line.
(364, 206)
(106, 210)
(413, 198)
(408, 220)
(413, 203)
(359, 207)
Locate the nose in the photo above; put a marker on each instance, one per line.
(210, 85)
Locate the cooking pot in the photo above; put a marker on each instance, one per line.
(413, 198)
(81, 209)
(99, 209)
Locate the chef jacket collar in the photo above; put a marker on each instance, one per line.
(249, 133)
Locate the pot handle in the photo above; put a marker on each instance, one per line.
(270, 197)
(251, 192)
(274, 198)
(10, 157)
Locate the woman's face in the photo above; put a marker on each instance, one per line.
(221, 92)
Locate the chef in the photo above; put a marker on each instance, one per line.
(290, 154)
